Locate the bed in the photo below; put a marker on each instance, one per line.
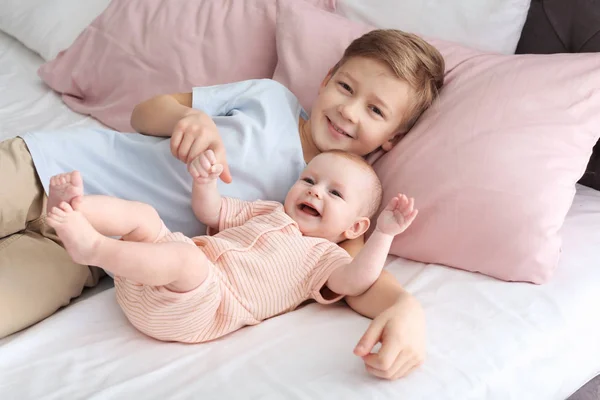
(487, 339)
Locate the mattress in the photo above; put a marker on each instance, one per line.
(487, 339)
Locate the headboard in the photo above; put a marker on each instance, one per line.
(565, 26)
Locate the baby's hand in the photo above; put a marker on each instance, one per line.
(397, 215)
(193, 135)
(204, 168)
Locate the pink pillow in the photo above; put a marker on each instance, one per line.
(140, 48)
(492, 165)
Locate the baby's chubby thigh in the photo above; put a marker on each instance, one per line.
(193, 265)
(174, 315)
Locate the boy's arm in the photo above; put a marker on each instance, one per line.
(159, 115)
(399, 321)
(353, 246)
(398, 324)
(192, 131)
(356, 277)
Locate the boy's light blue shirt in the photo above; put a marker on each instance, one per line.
(257, 120)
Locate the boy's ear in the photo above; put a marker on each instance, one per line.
(358, 228)
(326, 79)
(389, 145)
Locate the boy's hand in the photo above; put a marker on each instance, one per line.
(397, 215)
(401, 331)
(193, 135)
(204, 168)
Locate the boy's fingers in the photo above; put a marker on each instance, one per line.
(387, 355)
(405, 369)
(184, 148)
(200, 145)
(369, 339)
(211, 156)
(399, 367)
(225, 175)
(175, 142)
(376, 372)
(221, 158)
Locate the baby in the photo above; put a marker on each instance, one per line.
(259, 260)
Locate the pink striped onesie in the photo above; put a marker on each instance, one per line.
(262, 266)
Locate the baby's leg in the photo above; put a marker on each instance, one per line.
(134, 221)
(180, 267)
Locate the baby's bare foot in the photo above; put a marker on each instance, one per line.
(79, 237)
(64, 187)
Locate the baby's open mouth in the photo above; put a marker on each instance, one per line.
(308, 209)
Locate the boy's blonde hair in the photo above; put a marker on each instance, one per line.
(411, 58)
(377, 194)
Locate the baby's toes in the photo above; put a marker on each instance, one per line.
(53, 219)
(65, 207)
(57, 212)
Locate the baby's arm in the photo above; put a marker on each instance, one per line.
(206, 199)
(356, 277)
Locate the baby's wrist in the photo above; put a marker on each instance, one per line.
(383, 234)
(204, 183)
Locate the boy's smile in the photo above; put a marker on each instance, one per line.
(359, 108)
(337, 131)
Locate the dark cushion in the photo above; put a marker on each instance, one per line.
(565, 26)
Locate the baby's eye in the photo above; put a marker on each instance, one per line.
(377, 111)
(345, 86)
(337, 194)
(310, 181)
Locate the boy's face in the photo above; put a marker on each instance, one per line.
(330, 198)
(359, 108)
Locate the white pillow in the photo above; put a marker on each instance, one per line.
(490, 25)
(48, 26)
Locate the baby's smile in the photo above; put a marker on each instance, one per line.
(309, 209)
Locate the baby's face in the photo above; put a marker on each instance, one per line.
(331, 194)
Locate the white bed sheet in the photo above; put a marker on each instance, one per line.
(26, 103)
(486, 339)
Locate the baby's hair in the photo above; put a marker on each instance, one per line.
(411, 58)
(375, 202)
